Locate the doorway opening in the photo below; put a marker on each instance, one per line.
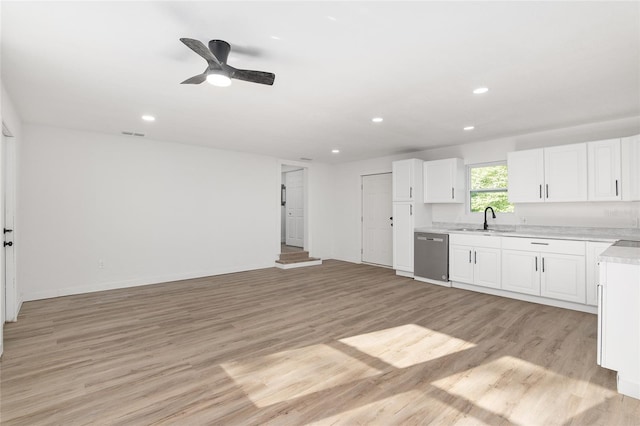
(292, 211)
(377, 220)
(294, 229)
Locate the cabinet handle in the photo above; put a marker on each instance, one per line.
(469, 256)
(547, 187)
(411, 192)
(543, 264)
(475, 257)
(540, 244)
(536, 263)
(411, 210)
(541, 191)
(453, 193)
(616, 187)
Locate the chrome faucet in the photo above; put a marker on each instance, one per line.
(486, 225)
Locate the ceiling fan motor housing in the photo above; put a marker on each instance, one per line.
(220, 49)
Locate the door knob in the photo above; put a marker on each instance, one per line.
(10, 243)
(7, 230)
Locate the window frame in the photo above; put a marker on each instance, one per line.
(470, 191)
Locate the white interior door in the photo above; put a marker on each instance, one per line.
(377, 210)
(295, 208)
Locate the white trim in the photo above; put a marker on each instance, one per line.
(628, 387)
(69, 291)
(430, 281)
(404, 274)
(527, 298)
(298, 264)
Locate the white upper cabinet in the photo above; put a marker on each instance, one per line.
(604, 170)
(556, 174)
(565, 173)
(526, 176)
(407, 179)
(444, 181)
(630, 148)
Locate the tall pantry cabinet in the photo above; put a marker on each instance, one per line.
(409, 212)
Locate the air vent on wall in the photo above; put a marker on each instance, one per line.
(133, 134)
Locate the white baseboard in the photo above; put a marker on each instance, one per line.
(298, 264)
(628, 387)
(69, 291)
(430, 281)
(527, 298)
(404, 273)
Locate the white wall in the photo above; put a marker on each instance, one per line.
(347, 227)
(146, 211)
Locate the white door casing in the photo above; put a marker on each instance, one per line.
(10, 293)
(377, 210)
(294, 183)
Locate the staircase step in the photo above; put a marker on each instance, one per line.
(295, 255)
(300, 260)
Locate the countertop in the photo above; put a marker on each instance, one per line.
(609, 235)
(615, 254)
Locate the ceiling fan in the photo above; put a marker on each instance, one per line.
(218, 72)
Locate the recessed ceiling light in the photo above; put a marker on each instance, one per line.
(147, 117)
(332, 18)
(335, 151)
(377, 119)
(469, 128)
(276, 38)
(481, 90)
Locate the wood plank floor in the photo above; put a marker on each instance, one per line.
(332, 344)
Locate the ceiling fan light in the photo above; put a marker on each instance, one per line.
(219, 80)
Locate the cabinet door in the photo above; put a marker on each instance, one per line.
(403, 236)
(631, 168)
(521, 271)
(486, 268)
(402, 180)
(563, 277)
(565, 173)
(444, 181)
(461, 264)
(594, 250)
(526, 176)
(604, 170)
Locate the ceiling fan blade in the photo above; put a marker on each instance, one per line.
(202, 50)
(196, 79)
(254, 76)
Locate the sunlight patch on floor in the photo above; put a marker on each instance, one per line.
(294, 373)
(406, 345)
(523, 392)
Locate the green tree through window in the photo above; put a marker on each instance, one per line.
(488, 187)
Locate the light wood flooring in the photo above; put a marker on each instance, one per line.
(332, 344)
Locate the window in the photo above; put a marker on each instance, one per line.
(488, 187)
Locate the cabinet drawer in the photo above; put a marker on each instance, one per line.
(475, 240)
(544, 245)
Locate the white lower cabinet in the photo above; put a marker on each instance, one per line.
(563, 277)
(619, 324)
(475, 259)
(543, 267)
(521, 272)
(594, 249)
(403, 225)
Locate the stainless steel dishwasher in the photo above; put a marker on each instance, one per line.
(431, 257)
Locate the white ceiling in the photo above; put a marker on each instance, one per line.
(100, 65)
